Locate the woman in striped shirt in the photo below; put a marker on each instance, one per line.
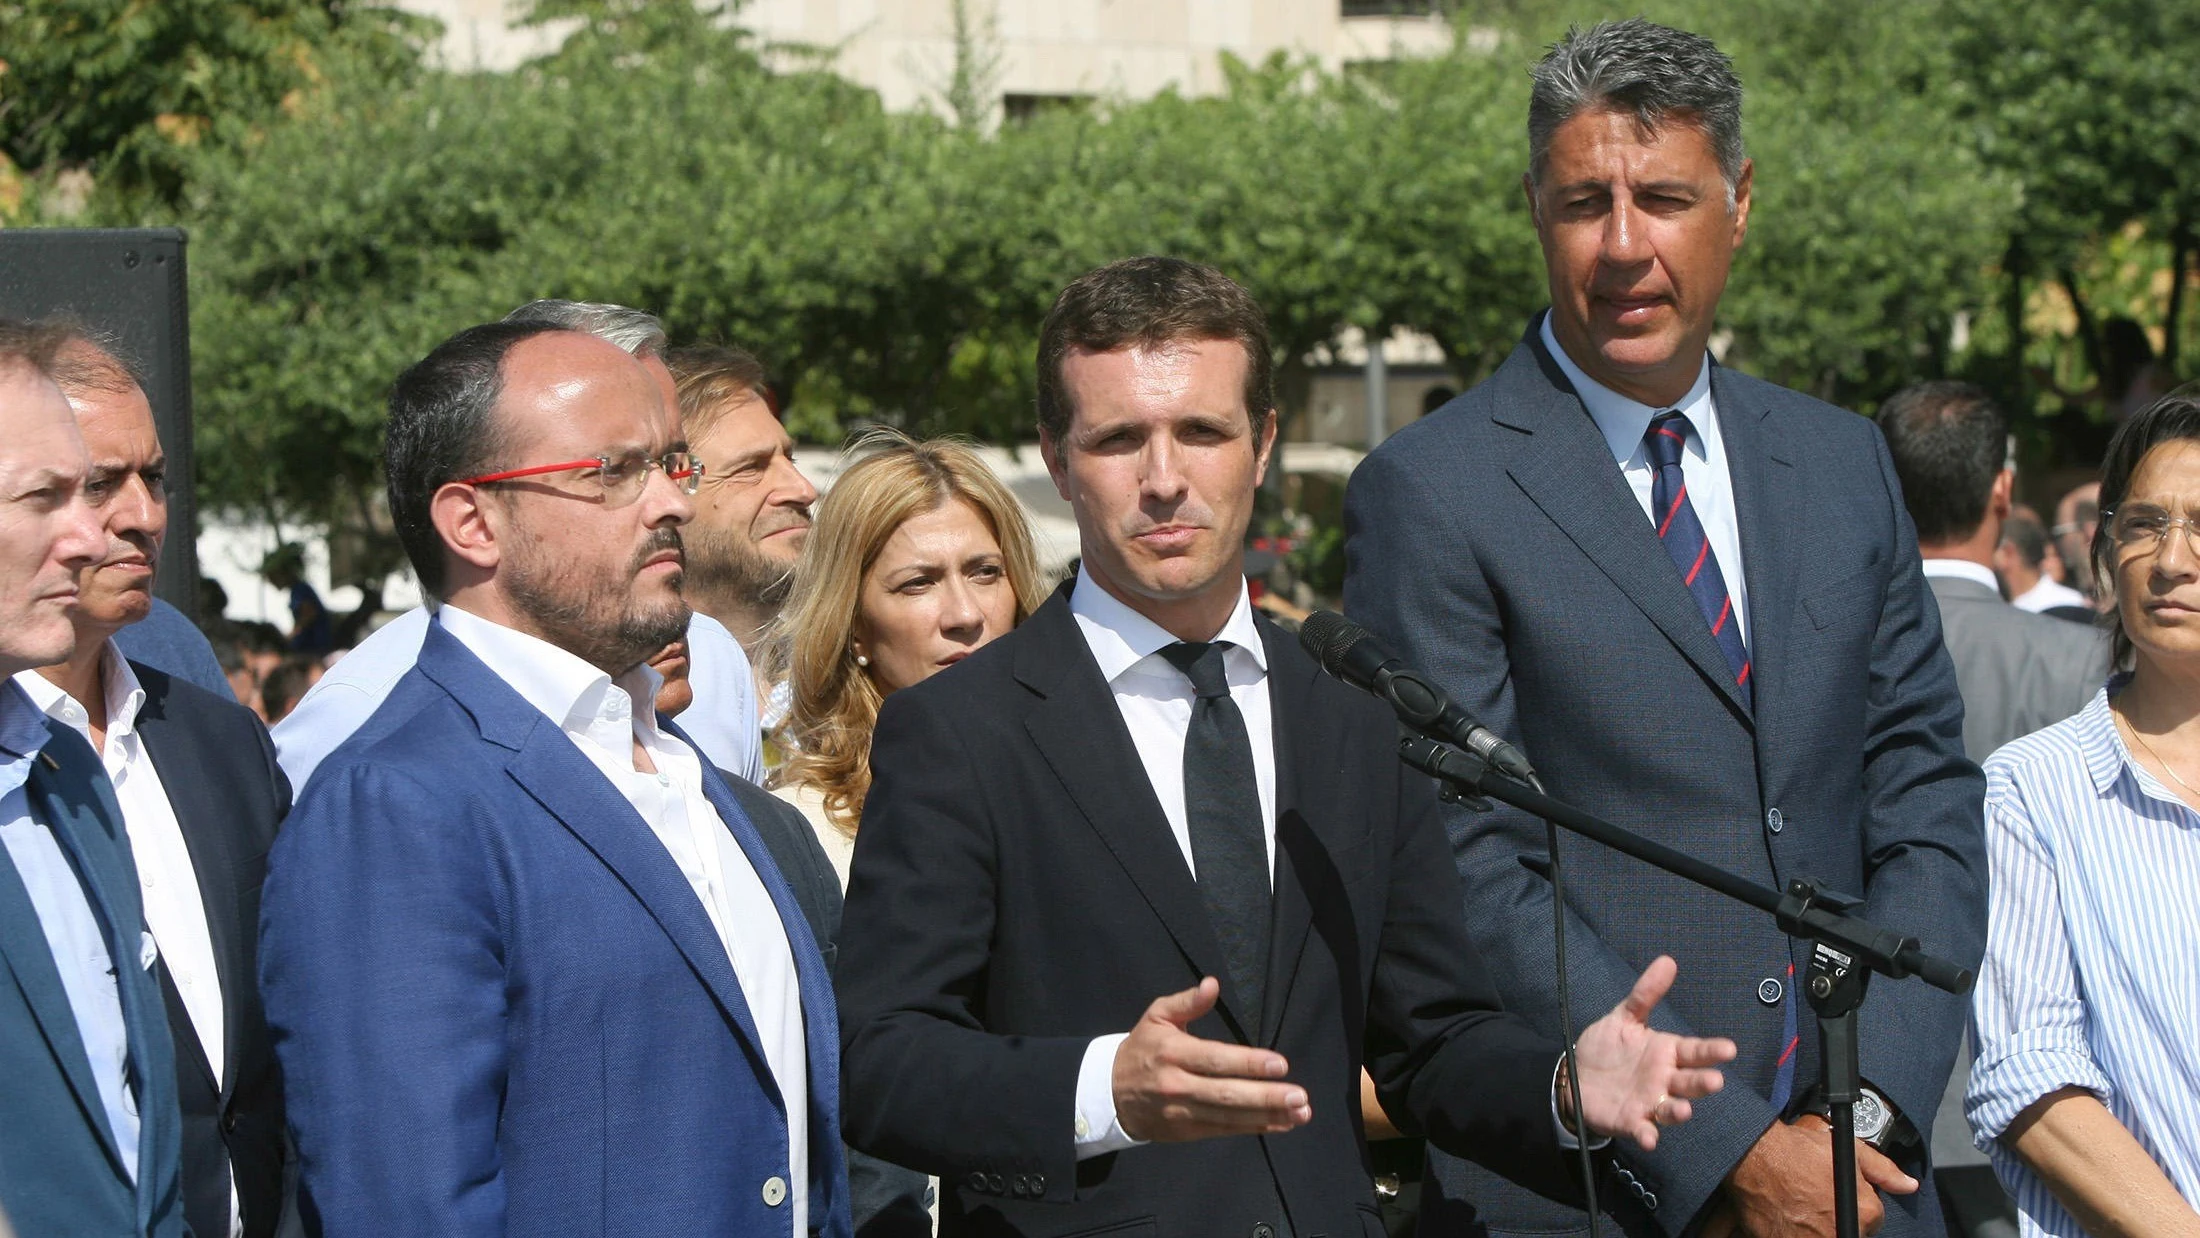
(2086, 1091)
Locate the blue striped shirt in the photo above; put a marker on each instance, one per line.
(2092, 971)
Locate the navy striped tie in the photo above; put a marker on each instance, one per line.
(1686, 543)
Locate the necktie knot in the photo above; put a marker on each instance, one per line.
(1667, 435)
(1202, 664)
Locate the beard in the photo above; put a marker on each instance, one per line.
(594, 615)
(726, 564)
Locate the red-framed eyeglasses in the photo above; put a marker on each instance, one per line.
(621, 480)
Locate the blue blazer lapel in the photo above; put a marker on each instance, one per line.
(70, 789)
(1568, 473)
(29, 962)
(563, 782)
(820, 1012)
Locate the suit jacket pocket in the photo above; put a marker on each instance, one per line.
(1859, 592)
(1143, 1227)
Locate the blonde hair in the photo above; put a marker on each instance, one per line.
(833, 704)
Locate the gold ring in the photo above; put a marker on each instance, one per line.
(1657, 1110)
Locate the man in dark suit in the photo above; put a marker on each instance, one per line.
(1138, 889)
(89, 1125)
(195, 777)
(532, 968)
(1693, 599)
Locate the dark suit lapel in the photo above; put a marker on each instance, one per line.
(1080, 733)
(29, 962)
(1770, 510)
(1303, 806)
(1569, 474)
(215, 863)
(551, 770)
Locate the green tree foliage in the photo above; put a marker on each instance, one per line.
(125, 89)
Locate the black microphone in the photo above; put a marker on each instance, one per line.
(1351, 653)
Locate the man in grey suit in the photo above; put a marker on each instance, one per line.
(1694, 600)
(2018, 671)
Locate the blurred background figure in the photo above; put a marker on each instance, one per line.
(2087, 1088)
(2077, 514)
(285, 568)
(919, 557)
(2032, 571)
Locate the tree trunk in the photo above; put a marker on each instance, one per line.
(2180, 246)
(2089, 334)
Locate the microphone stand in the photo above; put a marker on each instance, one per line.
(1845, 951)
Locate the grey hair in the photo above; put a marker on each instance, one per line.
(1656, 72)
(636, 331)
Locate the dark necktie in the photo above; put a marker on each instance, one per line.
(1229, 843)
(1686, 543)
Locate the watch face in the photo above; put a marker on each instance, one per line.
(1871, 1116)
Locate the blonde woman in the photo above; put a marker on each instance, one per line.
(918, 556)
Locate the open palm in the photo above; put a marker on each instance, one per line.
(1635, 1078)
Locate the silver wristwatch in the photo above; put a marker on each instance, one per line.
(1873, 1116)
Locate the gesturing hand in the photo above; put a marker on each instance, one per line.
(1170, 1085)
(1635, 1079)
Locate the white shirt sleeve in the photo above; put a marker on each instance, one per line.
(1098, 1132)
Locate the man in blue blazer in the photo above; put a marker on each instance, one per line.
(89, 1126)
(530, 966)
(1694, 599)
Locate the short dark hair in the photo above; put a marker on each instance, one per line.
(1949, 443)
(1655, 73)
(711, 377)
(2173, 418)
(1148, 302)
(92, 359)
(2024, 531)
(443, 427)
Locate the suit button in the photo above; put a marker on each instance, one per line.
(995, 1183)
(1650, 1201)
(1264, 1230)
(1038, 1185)
(1775, 821)
(1769, 991)
(775, 1191)
(229, 1123)
(976, 1180)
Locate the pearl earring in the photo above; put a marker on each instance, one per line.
(862, 661)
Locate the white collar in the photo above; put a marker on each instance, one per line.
(125, 696)
(1624, 420)
(1964, 569)
(568, 690)
(1121, 638)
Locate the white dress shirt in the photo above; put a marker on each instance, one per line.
(2047, 595)
(1963, 569)
(1624, 421)
(168, 883)
(722, 720)
(597, 713)
(1156, 701)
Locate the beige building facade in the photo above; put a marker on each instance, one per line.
(1032, 51)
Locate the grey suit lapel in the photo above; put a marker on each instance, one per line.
(1568, 473)
(1769, 507)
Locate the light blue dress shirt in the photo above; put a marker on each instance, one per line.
(2091, 976)
(65, 912)
(722, 720)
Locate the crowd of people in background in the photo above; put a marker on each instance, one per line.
(707, 856)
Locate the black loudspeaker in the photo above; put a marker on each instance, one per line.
(128, 283)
